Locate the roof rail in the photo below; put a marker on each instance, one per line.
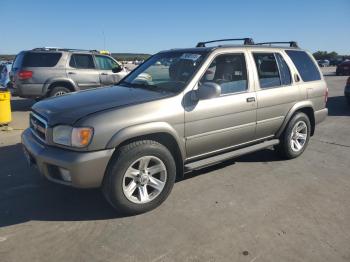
(291, 43)
(46, 48)
(62, 49)
(247, 41)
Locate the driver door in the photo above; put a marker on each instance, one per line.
(221, 123)
(106, 66)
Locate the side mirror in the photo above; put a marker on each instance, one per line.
(208, 90)
(117, 69)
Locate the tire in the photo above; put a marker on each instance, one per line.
(125, 186)
(288, 148)
(58, 91)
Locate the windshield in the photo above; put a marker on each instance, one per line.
(168, 71)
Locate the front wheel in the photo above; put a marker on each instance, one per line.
(140, 177)
(295, 137)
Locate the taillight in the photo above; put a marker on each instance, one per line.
(326, 95)
(24, 74)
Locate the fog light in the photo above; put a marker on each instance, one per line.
(65, 174)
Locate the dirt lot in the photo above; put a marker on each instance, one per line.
(254, 208)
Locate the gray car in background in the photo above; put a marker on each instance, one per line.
(181, 110)
(47, 72)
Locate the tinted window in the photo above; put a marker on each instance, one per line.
(267, 70)
(286, 78)
(36, 59)
(82, 61)
(229, 71)
(18, 61)
(306, 67)
(105, 63)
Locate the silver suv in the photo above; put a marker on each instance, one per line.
(47, 72)
(180, 110)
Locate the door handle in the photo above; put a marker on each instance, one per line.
(104, 74)
(71, 73)
(250, 99)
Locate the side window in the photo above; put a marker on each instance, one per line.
(305, 66)
(105, 63)
(82, 61)
(286, 78)
(229, 71)
(267, 70)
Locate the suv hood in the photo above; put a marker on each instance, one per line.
(70, 108)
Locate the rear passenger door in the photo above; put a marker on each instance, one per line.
(276, 92)
(82, 71)
(221, 123)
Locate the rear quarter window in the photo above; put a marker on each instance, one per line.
(305, 65)
(36, 59)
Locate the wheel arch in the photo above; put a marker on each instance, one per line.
(305, 107)
(52, 83)
(160, 132)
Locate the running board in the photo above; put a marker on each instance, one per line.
(232, 154)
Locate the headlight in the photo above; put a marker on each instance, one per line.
(72, 136)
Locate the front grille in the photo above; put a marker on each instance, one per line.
(38, 125)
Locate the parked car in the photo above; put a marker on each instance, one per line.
(47, 72)
(343, 68)
(323, 63)
(335, 62)
(5, 69)
(134, 139)
(347, 91)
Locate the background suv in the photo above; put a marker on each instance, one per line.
(46, 72)
(189, 109)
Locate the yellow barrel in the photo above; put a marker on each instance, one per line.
(5, 107)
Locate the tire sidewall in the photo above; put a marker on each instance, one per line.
(290, 153)
(118, 168)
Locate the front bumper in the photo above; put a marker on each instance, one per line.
(85, 169)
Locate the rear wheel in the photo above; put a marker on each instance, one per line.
(295, 137)
(140, 177)
(58, 91)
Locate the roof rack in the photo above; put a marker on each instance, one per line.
(62, 49)
(247, 41)
(291, 43)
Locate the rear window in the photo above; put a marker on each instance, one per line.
(36, 59)
(305, 66)
(18, 61)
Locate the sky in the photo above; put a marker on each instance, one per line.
(151, 26)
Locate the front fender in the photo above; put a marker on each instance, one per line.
(144, 130)
(296, 107)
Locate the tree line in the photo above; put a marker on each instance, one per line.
(322, 55)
